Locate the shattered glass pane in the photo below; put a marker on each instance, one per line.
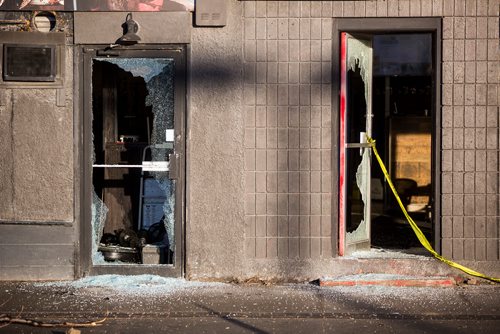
(158, 76)
(146, 68)
(359, 65)
(161, 99)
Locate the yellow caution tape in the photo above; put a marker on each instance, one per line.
(421, 237)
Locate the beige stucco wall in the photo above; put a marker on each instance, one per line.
(36, 171)
(214, 217)
(37, 175)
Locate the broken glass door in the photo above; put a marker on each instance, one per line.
(136, 145)
(355, 153)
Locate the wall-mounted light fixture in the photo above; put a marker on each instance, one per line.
(130, 29)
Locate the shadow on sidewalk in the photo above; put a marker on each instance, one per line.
(227, 317)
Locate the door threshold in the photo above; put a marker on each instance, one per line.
(382, 253)
(137, 269)
(392, 261)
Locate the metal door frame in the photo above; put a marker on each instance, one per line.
(84, 56)
(388, 25)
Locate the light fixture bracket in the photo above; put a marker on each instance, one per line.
(130, 29)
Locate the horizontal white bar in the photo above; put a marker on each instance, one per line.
(117, 166)
(147, 166)
(155, 166)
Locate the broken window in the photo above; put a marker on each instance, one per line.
(133, 122)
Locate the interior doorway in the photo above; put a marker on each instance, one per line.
(134, 140)
(387, 92)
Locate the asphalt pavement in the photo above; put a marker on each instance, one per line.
(148, 304)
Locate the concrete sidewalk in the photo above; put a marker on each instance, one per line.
(150, 304)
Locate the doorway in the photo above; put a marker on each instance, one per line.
(387, 92)
(133, 199)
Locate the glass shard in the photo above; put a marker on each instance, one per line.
(362, 179)
(99, 213)
(360, 56)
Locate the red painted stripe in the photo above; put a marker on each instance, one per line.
(423, 282)
(343, 89)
